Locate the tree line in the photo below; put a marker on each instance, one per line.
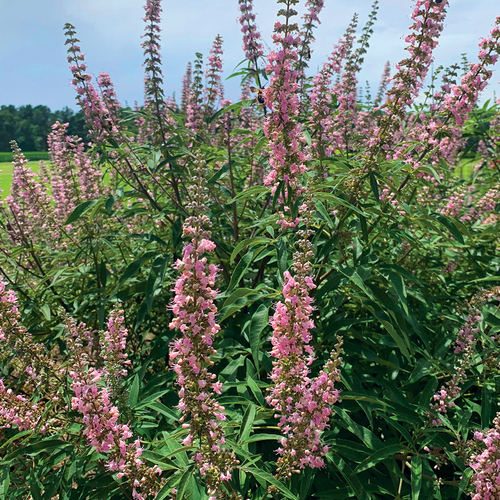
(30, 125)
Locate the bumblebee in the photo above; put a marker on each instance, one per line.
(260, 94)
(80, 78)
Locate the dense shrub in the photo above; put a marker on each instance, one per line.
(290, 296)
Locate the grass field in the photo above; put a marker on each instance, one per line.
(6, 176)
(465, 168)
(464, 171)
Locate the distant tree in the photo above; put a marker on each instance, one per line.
(30, 125)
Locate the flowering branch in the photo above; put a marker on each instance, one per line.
(194, 315)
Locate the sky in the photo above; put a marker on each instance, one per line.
(34, 70)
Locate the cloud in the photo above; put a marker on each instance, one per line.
(33, 60)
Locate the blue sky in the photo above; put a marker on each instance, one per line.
(33, 67)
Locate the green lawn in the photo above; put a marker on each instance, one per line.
(464, 171)
(465, 168)
(6, 176)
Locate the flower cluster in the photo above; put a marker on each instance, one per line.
(17, 410)
(186, 87)
(321, 98)
(465, 345)
(110, 101)
(302, 404)
(194, 312)
(151, 46)
(28, 207)
(213, 90)
(74, 178)
(461, 98)
(485, 462)
(281, 127)
(100, 417)
(34, 368)
(113, 342)
(194, 113)
(251, 36)
(384, 82)
(314, 8)
(88, 98)
(428, 18)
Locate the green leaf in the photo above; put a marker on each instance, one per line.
(251, 191)
(224, 169)
(260, 144)
(249, 242)
(171, 415)
(349, 476)
(238, 294)
(486, 407)
(364, 227)
(416, 477)
(32, 450)
(4, 483)
(268, 478)
(335, 199)
(378, 456)
(374, 186)
(183, 483)
(133, 268)
(35, 490)
(247, 423)
(255, 390)
(45, 309)
(171, 483)
(307, 137)
(134, 391)
(323, 212)
(157, 459)
(464, 482)
(453, 226)
(242, 266)
(80, 210)
(262, 437)
(233, 107)
(259, 321)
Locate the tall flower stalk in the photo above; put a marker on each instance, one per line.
(191, 355)
(194, 109)
(213, 89)
(186, 87)
(35, 369)
(322, 119)
(428, 18)
(465, 345)
(485, 462)
(96, 116)
(28, 209)
(251, 36)
(287, 160)
(154, 95)
(302, 403)
(311, 17)
(384, 82)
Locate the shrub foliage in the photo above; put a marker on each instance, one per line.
(291, 296)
